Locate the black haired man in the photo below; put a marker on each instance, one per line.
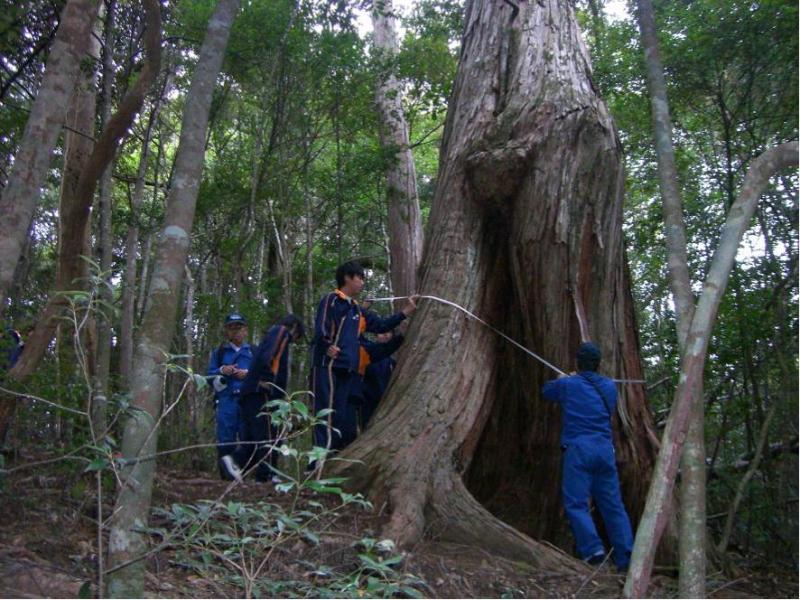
(338, 358)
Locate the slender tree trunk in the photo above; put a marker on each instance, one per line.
(106, 240)
(692, 546)
(78, 141)
(525, 228)
(126, 542)
(655, 516)
(128, 315)
(42, 130)
(188, 338)
(147, 245)
(75, 220)
(405, 222)
(740, 489)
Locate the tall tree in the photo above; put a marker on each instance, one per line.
(655, 515)
(405, 221)
(105, 237)
(525, 231)
(127, 317)
(692, 538)
(42, 130)
(75, 217)
(126, 542)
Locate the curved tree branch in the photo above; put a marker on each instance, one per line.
(655, 516)
(79, 204)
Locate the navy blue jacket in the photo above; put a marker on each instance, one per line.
(337, 314)
(585, 411)
(10, 348)
(270, 363)
(379, 370)
(228, 355)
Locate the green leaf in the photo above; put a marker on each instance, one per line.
(310, 536)
(86, 590)
(199, 381)
(285, 487)
(98, 464)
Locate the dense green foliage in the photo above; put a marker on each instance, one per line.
(293, 184)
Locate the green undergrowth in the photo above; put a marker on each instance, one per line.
(291, 547)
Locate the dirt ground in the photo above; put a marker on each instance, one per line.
(48, 548)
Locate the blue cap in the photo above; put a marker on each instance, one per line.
(588, 352)
(235, 318)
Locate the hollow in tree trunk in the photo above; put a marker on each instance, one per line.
(525, 231)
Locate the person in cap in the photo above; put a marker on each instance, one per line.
(587, 402)
(338, 359)
(228, 367)
(266, 380)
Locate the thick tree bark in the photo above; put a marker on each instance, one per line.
(74, 222)
(655, 516)
(126, 543)
(42, 130)
(525, 231)
(692, 537)
(405, 222)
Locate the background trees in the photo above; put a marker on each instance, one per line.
(294, 181)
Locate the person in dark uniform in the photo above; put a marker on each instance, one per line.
(338, 359)
(378, 372)
(587, 402)
(11, 346)
(266, 380)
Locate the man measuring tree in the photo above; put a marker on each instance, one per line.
(339, 360)
(587, 402)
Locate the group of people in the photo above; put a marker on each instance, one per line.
(349, 373)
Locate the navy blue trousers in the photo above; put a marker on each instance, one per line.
(335, 389)
(259, 435)
(590, 471)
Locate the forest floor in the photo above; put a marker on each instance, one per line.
(48, 548)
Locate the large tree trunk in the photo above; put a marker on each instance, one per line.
(405, 222)
(42, 130)
(126, 541)
(78, 141)
(525, 231)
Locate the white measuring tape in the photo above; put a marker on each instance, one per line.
(497, 331)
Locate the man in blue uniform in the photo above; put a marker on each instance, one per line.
(266, 380)
(587, 402)
(228, 365)
(338, 359)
